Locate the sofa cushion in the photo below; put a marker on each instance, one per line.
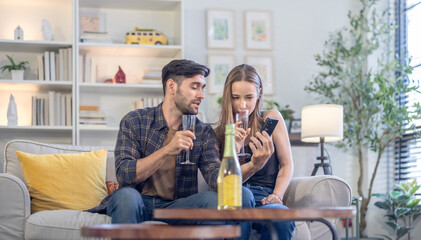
(64, 181)
(61, 224)
(12, 164)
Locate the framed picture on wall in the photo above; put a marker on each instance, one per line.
(258, 30)
(263, 65)
(220, 29)
(220, 66)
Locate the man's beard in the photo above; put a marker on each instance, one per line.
(182, 104)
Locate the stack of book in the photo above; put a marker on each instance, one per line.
(90, 115)
(96, 37)
(152, 75)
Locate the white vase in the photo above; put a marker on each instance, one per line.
(17, 74)
(12, 114)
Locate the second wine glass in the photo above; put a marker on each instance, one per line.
(243, 116)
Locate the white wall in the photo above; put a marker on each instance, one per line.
(300, 29)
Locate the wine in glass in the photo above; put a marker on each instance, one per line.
(243, 116)
(188, 124)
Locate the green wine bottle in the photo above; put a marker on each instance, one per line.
(229, 177)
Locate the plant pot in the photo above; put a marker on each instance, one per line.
(17, 74)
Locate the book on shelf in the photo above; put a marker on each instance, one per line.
(65, 69)
(96, 37)
(52, 66)
(40, 67)
(151, 81)
(55, 66)
(91, 115)
(88, 108)
(52, 109)
(69, 64)
(146, 102)
(152, 75)
(47, 66)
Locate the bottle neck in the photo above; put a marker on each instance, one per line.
(229, 149)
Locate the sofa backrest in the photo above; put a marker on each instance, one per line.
(12, 165)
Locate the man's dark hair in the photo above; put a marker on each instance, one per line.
(180, 69)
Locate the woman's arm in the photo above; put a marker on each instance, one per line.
(282, 145)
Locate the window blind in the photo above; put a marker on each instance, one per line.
(408, 37)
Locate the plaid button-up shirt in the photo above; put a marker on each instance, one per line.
(142, 132)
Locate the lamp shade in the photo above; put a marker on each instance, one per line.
(323, 120)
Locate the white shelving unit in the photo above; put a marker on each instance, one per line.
(115, 100)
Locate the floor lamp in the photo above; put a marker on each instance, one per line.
(322, 123)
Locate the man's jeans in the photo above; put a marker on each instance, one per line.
(283, 228)
(127, 205)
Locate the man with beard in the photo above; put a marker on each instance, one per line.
(150, 149)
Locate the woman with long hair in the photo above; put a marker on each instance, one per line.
(269, 170)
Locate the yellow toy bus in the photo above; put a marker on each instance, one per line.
(146, 36)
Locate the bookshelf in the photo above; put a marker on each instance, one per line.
(115, 100)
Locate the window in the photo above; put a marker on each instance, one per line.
(408, 38)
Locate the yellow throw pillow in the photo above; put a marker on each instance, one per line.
(65, 181)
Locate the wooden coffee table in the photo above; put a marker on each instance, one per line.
(161, 231)
(259, 215)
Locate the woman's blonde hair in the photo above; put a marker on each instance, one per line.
(243, 72)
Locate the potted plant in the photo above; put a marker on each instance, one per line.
(402, 209)
(17, 70)
(286, 112)
(373, 117)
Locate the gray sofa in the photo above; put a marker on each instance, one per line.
(17, 222)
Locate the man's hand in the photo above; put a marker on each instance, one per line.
(262, 149)
(182, 141)
(240, 134)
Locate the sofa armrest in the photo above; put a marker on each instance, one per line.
(14, 207)
(318, 191)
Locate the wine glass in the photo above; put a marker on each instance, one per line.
(243, 116)
(188, 124)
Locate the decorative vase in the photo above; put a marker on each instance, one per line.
(120, 76)
(17, 74)
(12, 114)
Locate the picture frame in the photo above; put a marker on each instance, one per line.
(92, 21)
(295, 126)
(220, 28)
(258, 30)
(220, 66)
(263, 64)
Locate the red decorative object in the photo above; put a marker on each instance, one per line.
(120, 76)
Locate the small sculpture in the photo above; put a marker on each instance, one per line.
(47, 32)
(18, 33)
(120, 76)
(12, 114)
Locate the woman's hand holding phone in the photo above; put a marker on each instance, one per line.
(262, 148)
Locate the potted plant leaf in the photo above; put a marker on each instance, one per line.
(17, 70)
(402, 209)
(360, 72)
(286, 112)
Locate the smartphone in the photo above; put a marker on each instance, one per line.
(269, 125)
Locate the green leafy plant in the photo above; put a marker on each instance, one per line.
(373, 117)
(13, 65)
(402, 208)
(286, 112)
